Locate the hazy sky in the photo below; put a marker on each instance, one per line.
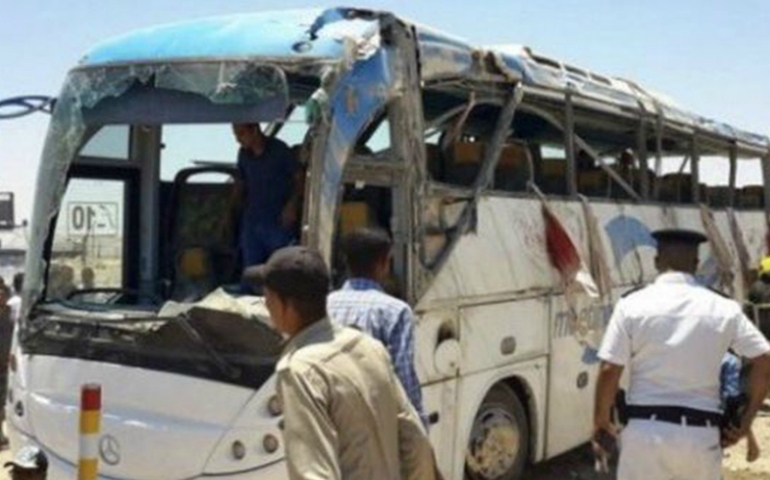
(710, 56)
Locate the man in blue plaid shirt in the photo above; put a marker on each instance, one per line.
(363, 304)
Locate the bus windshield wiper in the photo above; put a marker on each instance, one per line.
(183, 320)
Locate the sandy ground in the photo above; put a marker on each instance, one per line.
(578, 464)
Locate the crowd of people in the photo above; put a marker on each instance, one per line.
(352, 402)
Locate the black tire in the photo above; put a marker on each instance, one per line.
(498, 446)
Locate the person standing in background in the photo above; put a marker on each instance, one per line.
(6, 332)
(362, 303)
(15, 300)
(269, 193)
(759, 295)
(29, 463)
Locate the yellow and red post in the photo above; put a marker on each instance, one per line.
(90, 427)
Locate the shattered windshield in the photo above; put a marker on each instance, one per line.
(220, 338)
(135, 229)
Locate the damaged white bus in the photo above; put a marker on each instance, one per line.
(520, 192)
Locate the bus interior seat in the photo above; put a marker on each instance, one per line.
(719, 196)
(513, 167)
(367, 206)
(354, 215)
(593, 183)
(201, 233)
(435, 162)
(553, 175)
(462, 163)
(637, 178)
(676, 187)
(752, 196)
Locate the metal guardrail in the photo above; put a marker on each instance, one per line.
(16, 107)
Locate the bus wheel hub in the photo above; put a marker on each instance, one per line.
(494, 444)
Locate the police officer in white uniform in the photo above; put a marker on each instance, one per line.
(671, 336)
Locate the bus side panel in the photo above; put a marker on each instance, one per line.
(571, 379)
(573, 362)
(622, 237)
(504, 257)
(498, 334)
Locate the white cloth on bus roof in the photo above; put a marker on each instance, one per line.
(666, 451)
(671, 337)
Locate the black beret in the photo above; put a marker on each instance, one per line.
(678, 235)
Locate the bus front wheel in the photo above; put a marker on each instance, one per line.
(499, 442)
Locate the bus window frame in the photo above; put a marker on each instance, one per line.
(129, 174)
(653, 127)
(467, 219)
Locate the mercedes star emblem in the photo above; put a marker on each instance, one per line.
(109, 450)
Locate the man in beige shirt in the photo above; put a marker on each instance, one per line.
(346, 415)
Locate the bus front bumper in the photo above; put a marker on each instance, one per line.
(60, 469)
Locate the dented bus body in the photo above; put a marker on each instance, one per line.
(471, 157)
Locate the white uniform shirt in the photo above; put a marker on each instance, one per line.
(15, 304)
(671, 337)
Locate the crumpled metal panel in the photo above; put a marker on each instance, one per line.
(516, 61)
(361, 94)
(443, 56)
(282, 34)
(315, 33)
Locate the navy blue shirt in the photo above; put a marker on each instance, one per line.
(269, 182)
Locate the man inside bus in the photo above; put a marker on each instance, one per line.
(363, 304)
(269, 192)
(672, 336)
(346, 417)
